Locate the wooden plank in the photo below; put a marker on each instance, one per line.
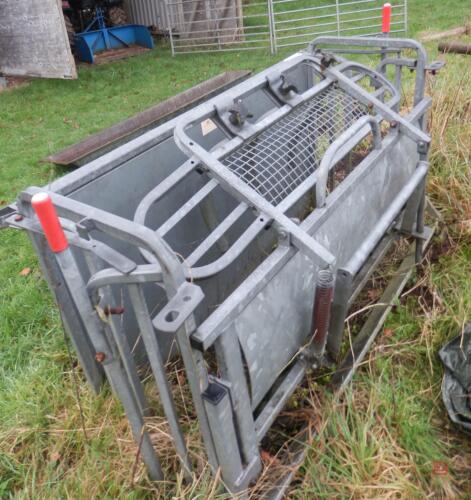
(431, 37)
(455, 47)
(96, 144)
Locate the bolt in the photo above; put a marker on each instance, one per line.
(283, 234)
(113, 310)
(18, 218)
(100, 357)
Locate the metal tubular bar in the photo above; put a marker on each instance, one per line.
(158, 369)
(160, 190)
(280, 397)
(406, 20)
(317, 34)
(332, 151)
(186, 208)
(291, 21)
(112, 324)
(356, 28)
(235, 43)
(307, 26)
(356, 91)
(217, 403)
(246, 16)
(356, 2)
(368, 268)
(216, 234)
(419, 243)
(317, 25)
(409, 218)
(169, 24)
(249, 27)
(380, 42)
(337, 16)
(271, 23)
(234, 251)
(256, 33)
(239, 49)
(372, 9)
(355, 263)
(142, 274)
(309, 9)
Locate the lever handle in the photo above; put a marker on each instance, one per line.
(287, 86)
(386, 18)
(47, 215)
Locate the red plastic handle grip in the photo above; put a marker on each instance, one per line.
(387, 9)
(47, 215)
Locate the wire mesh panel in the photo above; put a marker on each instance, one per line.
(279, 159)
(296, 22)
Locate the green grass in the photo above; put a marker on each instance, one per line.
(380, 440)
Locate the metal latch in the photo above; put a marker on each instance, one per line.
(4, 214)
(284, 89)
(435, 66)
(235, 117)
(239, 113)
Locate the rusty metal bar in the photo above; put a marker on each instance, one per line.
(97, 144)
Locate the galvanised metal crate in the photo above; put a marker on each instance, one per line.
(236, 237)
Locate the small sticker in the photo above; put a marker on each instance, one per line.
(207, 126)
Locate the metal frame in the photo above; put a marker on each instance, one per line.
(274, 24)
(272, 251)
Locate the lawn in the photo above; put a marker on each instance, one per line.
(381, 440)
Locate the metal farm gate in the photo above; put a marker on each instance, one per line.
(221, 25)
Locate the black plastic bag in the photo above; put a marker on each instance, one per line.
(456, 386)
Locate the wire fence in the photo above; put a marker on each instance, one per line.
(241, 25)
